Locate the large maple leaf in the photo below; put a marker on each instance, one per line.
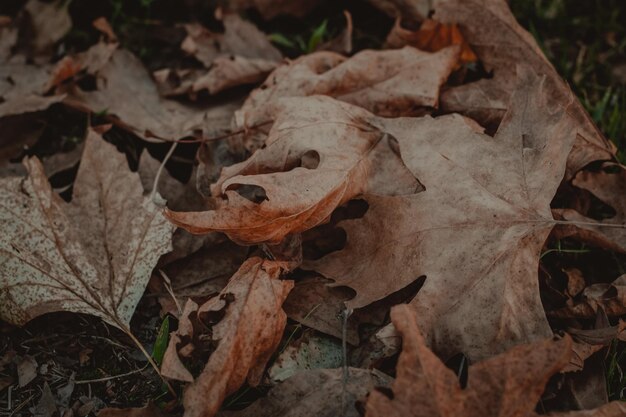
(477, 230)
(93, 255)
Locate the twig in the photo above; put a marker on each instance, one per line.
(109, 378)
(160, 170)
(168, 287)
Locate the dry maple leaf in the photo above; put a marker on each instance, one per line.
(246, 336)
(389, 83)
(319, 154)
(509, 384)
(93, 255)
(501, 43)
(476, 232)
(129, 97)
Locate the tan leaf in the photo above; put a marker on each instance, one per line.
(316, 393)
(509, 384)
(49, 22)
(129, 97)
(22, 88)
(501, 44)
(8, 37)
(149, 410)
(476, 232)
(93, 255)
(246, 336)
(389, 83)
(609, 185)
(319, 154)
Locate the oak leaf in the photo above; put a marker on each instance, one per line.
(246, 336)
(93, 255)
(476, 232)
(509, 384)
(319, 154)
(501, 43)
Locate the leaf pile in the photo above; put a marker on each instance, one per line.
(408, 199)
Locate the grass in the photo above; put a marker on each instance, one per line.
(586, 42)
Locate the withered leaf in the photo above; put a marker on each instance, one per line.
(501, 44)
(389, 83)
(609, 185)
(93, 255)
(509, 384)
(49, 22)
(612, 409)
(246, 336)
(476, 232)
(611, 298)
(316, 393)
(319, 154)
(129, 97)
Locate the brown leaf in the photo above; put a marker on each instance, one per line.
(129, 97)
(92, 256)
(501, 44)
(411, 12)
(389, 83)
(48, 23)
(609, 185)
(319, 154)
(22, 87)
(611, 298)
(424, 386)
(432, 36)
(246, 336)
(8, 37)
(316, 393)
(92, 61)
(476, 232)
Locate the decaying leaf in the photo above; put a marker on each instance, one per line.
(149, 410)
(129, 97)
(49, 22)
(609, 185)
(611, 298)
(612, 409)
(509, 384)
(476, 232)
(319, 154)
(240, 55)
(246, 336)
(501, 44)
(412, 12)
(431, 36)
(93, 255)
(316, 393)
(389, 83)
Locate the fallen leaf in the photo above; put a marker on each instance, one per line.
(432, 36)
(49, 22)
(246, 336)
(91, 61)
(501, 43)
(46, 406)
(393, 83)
(26, 370)
(611, 298)
(425, 386)
(22, 88)
(8, 37)
(308, 352)
(612, 409)
(412, 12)
(476, 232)
(316, 393)
(609, 185)
(130, 99)
(319, 154)
(91, 256)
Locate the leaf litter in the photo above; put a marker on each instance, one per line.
(335, 211)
